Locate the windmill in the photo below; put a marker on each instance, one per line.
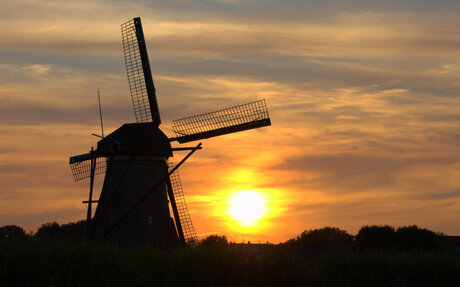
(140, 182)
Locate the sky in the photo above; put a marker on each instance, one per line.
(363, 97)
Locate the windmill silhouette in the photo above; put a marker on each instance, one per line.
(140, 182)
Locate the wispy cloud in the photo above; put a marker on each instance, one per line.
(363, 98)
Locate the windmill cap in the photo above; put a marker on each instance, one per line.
(137, 138)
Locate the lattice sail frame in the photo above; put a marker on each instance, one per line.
(243, 117)
(184, 215)
(82, 169)
(139, 74)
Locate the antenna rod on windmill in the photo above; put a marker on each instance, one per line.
(100, 111)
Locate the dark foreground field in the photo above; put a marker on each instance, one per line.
(324, 257)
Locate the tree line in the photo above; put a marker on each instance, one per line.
(379, 238)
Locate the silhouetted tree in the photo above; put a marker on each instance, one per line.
(12, 231)
(74, 230)
(49, 230)
(69, 231)
(375, 237)
(412, 238)
(214, 240)
(407, 238)
(317, 241)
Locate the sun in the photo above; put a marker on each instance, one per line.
(247, 206)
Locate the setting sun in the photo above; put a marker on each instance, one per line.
(247, 206)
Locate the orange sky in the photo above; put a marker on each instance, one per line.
(364, 102)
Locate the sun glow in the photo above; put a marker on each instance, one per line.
(247, 207)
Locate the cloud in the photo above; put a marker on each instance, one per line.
(438, 194)
(363, 98)
(356, 172)
(30, 113)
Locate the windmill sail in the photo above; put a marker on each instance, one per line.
(239, 118)
(81, 166)
(185, 222)
(140, 79)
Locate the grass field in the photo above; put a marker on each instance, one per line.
(33, 261)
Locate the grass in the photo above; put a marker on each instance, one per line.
(39, 262)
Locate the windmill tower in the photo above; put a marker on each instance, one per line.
(140, 182)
